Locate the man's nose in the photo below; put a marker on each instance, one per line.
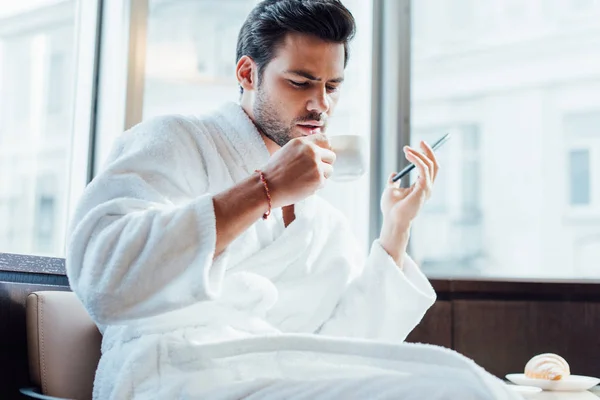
(318, 102)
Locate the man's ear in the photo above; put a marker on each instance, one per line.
(245, 72)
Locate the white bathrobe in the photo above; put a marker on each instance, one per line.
(283, 313)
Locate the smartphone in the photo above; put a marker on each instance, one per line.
(411, 166)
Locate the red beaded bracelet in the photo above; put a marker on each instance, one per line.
(267, 192)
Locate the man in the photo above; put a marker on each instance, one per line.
(214, 271)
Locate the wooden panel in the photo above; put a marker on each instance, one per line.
(526, 290)
(23, 263)
(441, 286)
(13, 354)
(515, 289)
(436, 326)
(502, 336)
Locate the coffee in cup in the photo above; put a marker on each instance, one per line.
(351, 157)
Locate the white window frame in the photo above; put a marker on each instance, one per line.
(121, 73)
(87, 30)
(390, 98)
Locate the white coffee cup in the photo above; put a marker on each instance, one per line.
(351, 157)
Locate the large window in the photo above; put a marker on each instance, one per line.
(190, 68)
(518, 83)
(37, 60)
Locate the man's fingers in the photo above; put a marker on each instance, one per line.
(423, 158)
(327, 156)
(391, 183)
(320, 140)
(431, 155)
(326, 170)
(424, 181)
(322, 147)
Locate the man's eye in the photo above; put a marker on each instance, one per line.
(332, 89)
(299, 84)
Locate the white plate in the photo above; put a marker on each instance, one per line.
(524, 390)
(570, 383)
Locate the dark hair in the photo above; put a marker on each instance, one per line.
(269, 22)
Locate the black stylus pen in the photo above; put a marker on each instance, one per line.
(411, 166)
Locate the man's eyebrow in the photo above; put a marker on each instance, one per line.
(311, 77)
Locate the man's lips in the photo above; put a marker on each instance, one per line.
(309, 130)
(311, 127)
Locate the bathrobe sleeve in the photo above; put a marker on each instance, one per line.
(382, 301)
(139, 243)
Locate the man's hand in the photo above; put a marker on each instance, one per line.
(400, 206)
(294, 172)
(298, 169)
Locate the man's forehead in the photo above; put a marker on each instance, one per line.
(307, 53)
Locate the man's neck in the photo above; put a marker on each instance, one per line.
(272, 147)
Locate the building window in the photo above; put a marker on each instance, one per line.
(56, 83)
(45, 224)
(579, 177)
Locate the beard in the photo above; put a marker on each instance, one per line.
(272, 126)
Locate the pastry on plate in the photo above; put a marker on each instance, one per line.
(547, 366)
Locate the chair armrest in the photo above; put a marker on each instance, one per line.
(34, 393)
